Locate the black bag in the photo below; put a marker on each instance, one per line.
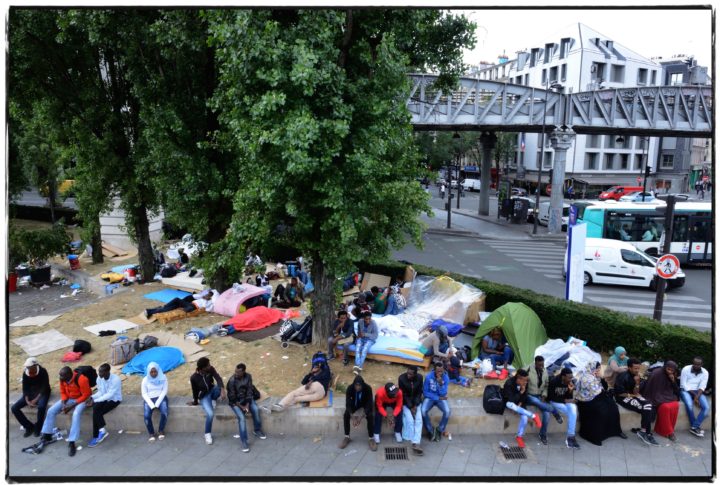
(255, 393)
(493, 400)
(168, 271)
(147, 343)
(82, 346)
(464, 354)
(89, 372)
(319, 358)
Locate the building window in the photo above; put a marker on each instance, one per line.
(544, 76)
(518, 80)
(549, 52)
(642, 77)
(594, 141)
(608, 163)
(591, 161)
(547, 161)
(563, 72)
(624, 161)
(527, 79)
(638, 162)
(553, 74)
(676, 79)
(618, 74)
(610, 141)
(667, 161)
(654, 78)
(598, 71)
(564, 48)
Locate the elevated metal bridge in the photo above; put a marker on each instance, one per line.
(478, 105)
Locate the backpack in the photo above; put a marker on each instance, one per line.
(121, 351)
(319, 358)
(147, 343)
(492, 399)
(82, 346)
(89, 372)
(168, 271)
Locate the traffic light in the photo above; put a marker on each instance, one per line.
(550, 175)
(647, 171)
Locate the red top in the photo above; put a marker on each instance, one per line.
(78, 388)
(382, 400)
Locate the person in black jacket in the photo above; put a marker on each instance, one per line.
(314, 387)
(359, 397)
(411, 385)
(205, 392)
(515, 398)
(240, 397)
(35, 393)
(627, 395)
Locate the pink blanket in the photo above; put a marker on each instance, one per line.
(229, 302)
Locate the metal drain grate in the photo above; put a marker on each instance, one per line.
(396, 453)
(514, 453)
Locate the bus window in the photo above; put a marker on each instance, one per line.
(700, 230)
(680, 229)
(623, 228)
(652, 228)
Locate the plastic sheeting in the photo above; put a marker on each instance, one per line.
(392, 326)
(571, 354)
(441, 297)
(166, 357)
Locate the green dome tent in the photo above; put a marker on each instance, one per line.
(522, 329)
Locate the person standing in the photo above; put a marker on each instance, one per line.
(107, 398)
(538, 394)
(207, 386)
(35, 394)
(435, 392)
(411, 385)
(598, 412)
(241, 401)
(154, 389)
(367, 335)
(388, 396)
(662, 389)
(560, 396)
(693, 382)
(74, 392)
(358, 398)
(627, 395)
(515, 399)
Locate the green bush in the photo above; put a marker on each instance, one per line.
(603, 329)
(39, 245)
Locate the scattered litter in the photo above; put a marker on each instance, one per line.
(236, 436)
(44, 287)
(120, 432)
(286, 357)
(317, 439)
(355, 470)
(74, 286)
(305, 364)
(268, 353)
(64, 296)
(462, 451)
(351, 452)
(132, 432)
(79, 448)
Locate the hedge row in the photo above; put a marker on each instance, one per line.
(603, 329)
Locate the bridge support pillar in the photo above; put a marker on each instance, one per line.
(560, 140)
(488, 141)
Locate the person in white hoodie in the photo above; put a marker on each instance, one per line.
(154, 389)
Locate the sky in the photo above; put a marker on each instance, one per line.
(650, 33)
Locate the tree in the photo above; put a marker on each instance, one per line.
(504, 150)
(313, 103)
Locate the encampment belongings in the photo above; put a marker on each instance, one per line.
(168, 270)
(167, 294)
(559, 354)
(110, 251)
(38, 447)
(106, 333)
(521, 327)
(43, 343)
(119, 325)
(199, 334)
(393, 326)
(255, 319)
(121, 268)
(82, 346)
(112, 277)
(238, 299)
(166, 357)
(121, 351)
(394, 349)
(294, 332)
(493, 400)
(463, 354)
(177, 314)
(190, 350)
(371, 279)
(37, 321)
(87, 371)
(444, 298)
(71, 356)
(148, 342)
(453, 329)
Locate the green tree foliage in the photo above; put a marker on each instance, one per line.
(313, 103)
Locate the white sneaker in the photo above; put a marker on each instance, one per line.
(398, 437)
(208, 438)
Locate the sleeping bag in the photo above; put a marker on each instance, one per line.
(166, 357)
(255, 319)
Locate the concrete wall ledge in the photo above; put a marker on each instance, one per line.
(468, 417)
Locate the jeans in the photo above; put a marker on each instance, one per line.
(184, 303)
(55, 409)
(379, 419)
(524, 415)
(569, 410)
(687, 399)
(412, 425)
(42, 405)
(546, 409)
(368, 418)
(506, 358)
(242, 422)
(332, 344)
(459, 380)
(164, 411)
(206, 403)
(100, 409)
(362, 346)
(443, 406)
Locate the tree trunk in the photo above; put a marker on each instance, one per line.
(220, 280)
(323, 301)
(142, 234)
(52, 197)
(96, 242)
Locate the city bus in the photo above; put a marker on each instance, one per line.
(642, 225)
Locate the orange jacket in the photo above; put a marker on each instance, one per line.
(78, 388)
(382, 400)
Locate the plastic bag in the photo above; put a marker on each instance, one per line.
(486, 366)
(441, 297)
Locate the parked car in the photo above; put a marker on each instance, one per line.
(472, 185)
(613, 262)
(544, 214)
(638, 197)
(518, 191)
(617, 191)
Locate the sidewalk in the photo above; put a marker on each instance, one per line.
(187, 455)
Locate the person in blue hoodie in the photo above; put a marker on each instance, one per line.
(435, 391)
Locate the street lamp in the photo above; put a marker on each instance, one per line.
(645, 169)
(554, 85)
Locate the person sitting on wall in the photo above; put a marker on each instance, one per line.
(314, 387)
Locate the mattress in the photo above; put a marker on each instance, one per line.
(183, 280)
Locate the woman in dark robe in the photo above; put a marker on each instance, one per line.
(599, 417)
(663, 392)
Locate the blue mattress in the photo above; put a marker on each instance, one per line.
(395, 347)
(167, 294)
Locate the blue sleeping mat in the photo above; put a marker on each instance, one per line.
(120, 269)
(166, 357)
(452, 328)
(167, 294)
(395, 347)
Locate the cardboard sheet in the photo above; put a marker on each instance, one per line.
(37, 321)
(119, 325)
(191, 351)
(43, 343)
(371, 279)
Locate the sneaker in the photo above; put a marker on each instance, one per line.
(101, 437)
(93, 443)
(672, 437)
(536, 420)
(398, 437)
(697, 432)
(447, 435)
(651, 439)
(623, 435)
(151, 438)
(356, 367)
(28, 432)
(278, 408)
(373, 445)
(145, 314)
(161, 436)
(417, 450)
(503, 374)
(643, 436)
(346, 441)
(572, 443)
(208, 438)
(543, 439)
(492, 375)
(520, 441)
(245, 448)
(558, 418)
(71, 449)
(260, 435)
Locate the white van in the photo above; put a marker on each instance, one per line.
(613, 262)
(544, 214)
(471, 185)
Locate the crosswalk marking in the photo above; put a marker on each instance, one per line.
(648, 294)
(650, 311)
(530, 244)
(648, 302)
